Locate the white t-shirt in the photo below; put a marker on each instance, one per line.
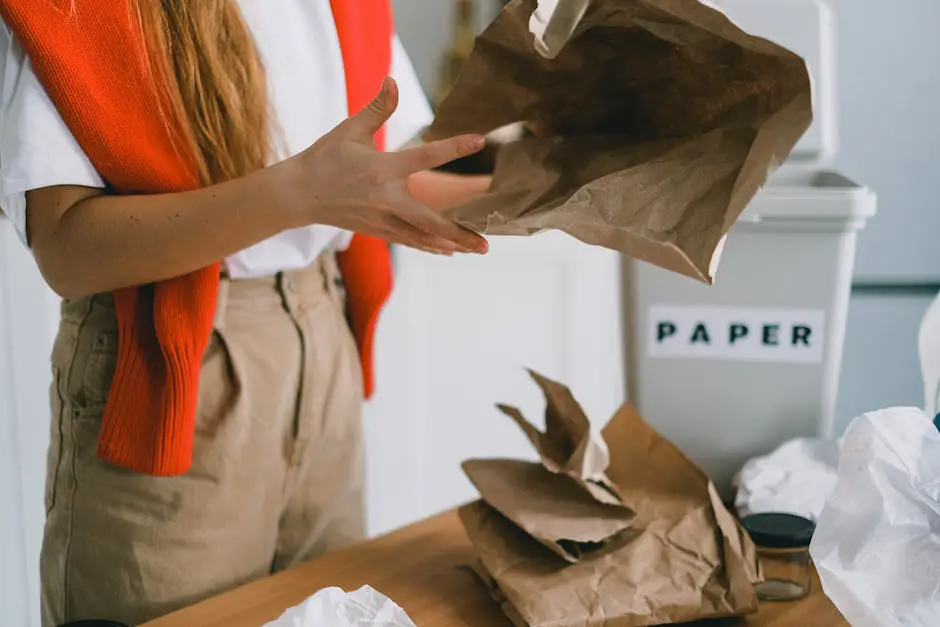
(300, 50)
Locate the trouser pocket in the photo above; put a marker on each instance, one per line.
(54, 453)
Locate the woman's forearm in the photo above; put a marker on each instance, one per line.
(87, 243)
(441, 190)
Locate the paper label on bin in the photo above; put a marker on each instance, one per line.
(736, 333)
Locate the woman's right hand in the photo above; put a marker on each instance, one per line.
(88, 242)
(347, 183)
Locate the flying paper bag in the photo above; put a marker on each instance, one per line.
(654, 125)
(670, 553)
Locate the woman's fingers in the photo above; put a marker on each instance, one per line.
(371, 118)
(433, 155)
(417, 238)
(399, 232)
(428, 221)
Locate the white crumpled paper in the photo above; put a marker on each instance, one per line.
(877, 542)
(333, 607)
(797, 478)
(553, 23)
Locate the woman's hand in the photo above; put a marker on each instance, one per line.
(347, 183)
(87, 242)
(442, 190)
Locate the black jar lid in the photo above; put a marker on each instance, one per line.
(779, 531)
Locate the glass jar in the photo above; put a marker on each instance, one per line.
(783, 550)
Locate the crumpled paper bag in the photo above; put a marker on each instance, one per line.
(668, 553)
(567, 502)
(655, 125)
(332, 607)
(797, 478)
(877, 542)
(568, 445)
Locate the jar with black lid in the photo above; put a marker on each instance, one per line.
(783, 550)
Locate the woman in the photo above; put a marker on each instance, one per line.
(206, 416)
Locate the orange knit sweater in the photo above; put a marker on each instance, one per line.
(88, 55)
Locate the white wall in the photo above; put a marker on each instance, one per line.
(13, 558)
(426, 28)
(889, 83)
(26, 335)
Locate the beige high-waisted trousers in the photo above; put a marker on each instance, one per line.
(277, 474)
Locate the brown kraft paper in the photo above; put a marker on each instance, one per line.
(554, 556)
(650, 130)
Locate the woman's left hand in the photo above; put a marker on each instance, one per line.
(441, 191)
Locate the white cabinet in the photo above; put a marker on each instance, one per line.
(456, 339)
(28, 322)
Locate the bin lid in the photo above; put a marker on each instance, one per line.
(817, 199)
(807, 28)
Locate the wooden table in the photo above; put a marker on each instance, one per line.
(420, 568)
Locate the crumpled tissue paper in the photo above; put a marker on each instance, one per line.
(333, 607)
(797, 479)
(877, 542)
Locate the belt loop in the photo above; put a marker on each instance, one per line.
(287, 287)
(290, 283)
(330, 270)
(221, 304)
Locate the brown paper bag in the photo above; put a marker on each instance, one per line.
(553, 509)
(568, 446)
(567, 502)
(681, 556)
(655, 125)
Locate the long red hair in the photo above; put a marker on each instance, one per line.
(216, 88)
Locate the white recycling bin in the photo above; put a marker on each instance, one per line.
(732, 370)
